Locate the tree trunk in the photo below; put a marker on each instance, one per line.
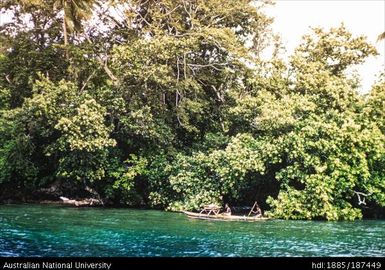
(65, 34)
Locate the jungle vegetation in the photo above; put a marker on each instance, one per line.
(172, 104)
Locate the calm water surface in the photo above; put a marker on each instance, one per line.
(46, 230)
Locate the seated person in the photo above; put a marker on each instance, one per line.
(258, 211)
(227, 210)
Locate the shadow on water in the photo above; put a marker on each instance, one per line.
(46, 230)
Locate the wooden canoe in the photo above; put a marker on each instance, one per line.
(223, 217)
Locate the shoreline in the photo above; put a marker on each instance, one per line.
(61, 203)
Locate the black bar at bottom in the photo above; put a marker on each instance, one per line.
(108, 263)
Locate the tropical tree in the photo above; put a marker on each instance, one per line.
(74, 12)
(307, 149)
(29, 48)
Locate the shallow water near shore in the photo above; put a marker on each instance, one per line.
(52, 230)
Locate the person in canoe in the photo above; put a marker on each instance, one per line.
(255, 210)
(258, 211)
(227, 210)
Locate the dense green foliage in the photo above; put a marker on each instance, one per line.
(168, 104)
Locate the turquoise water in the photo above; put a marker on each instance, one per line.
(46, 230)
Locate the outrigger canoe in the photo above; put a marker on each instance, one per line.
(223, 217)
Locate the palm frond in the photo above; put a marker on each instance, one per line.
(381, 37)
(75, 11)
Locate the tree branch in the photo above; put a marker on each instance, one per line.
(103, 63)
